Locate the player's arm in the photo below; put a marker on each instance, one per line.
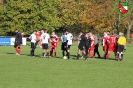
(30, 37)
(103, 42)
(41, 38)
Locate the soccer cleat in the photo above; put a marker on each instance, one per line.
(116, 59)
(85, 58)
(120, 59)
(17, 54)
(107, 59)
(76, 58)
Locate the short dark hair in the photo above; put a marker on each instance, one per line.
(34, 31)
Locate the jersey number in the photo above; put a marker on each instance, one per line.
(44, 37)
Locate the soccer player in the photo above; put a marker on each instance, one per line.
(38, 35)
(18, 42)
(91, 49)
(69, 42)
(64, 44)
(87, 45)
(45, 40)
(112, 45)
(55, 39)
(81, 46)
(121, 45)
(105, 44)
(22, 34)
(33, 43)
(96, 45)
(52, 45)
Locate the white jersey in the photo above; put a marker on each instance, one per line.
(45, 38)
(33, 38)
(64, 38)
(69, 38)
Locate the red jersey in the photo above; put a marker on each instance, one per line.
(105, 40)
(55, 38)
(92, 43)
(112, 40)
(38, 35)
(112, 43)
(53, 43)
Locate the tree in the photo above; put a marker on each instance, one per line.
(29, 15)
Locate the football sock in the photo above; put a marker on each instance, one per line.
(54, 53)
(43, 54)
(51, 52)
(89, 53)
(117, 55)
(78, 56)
(47, 54)
(108, 55)
(121, 56)
(16, 50)
(63, 53)
(31, 52)
(68, 55)
(92, 54)
(19, 51)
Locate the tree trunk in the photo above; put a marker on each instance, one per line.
(129, 26)
(1, 2)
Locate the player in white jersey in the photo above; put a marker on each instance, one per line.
(33, 42)
(45, 40)
(64, 44)
(69, 43)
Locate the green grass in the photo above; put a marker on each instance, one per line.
(34, 72)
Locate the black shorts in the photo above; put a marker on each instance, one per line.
(33, 45)
(64, 46)
(81, 47)
(45, 46)
(68, 47)
(120, 48)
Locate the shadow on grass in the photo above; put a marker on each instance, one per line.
(102, 58)
(14, 53)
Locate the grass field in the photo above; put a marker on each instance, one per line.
(34, 72)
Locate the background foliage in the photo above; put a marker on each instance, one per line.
(76, 15)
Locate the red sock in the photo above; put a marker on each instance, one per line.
(19, 51)
(16, 50)
(92, 54)
(51, 52)
(89, 53)
(108, 55)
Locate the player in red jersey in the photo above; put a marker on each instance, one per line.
(112, 45)
(91, 49)
(38, 35)
(105, 43)
(55, 39)
(52, 45)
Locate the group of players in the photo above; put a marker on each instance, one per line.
(110, 43)
(87, 44)
(50, 43)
